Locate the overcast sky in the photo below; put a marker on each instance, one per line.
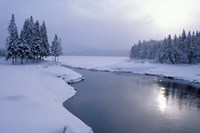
(86, 25)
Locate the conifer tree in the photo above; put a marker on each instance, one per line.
(56, 49)
(60, 43)
(21, 47)
(12, 41)
(31, 36)
(44, 39)
(193, 50)
(25, 41)
(37, 42)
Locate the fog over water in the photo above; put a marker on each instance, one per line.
(103, 26)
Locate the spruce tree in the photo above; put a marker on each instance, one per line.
(56, 49)
(131, 52)
(25, 41)
(173, 50)
(31, 36)
(198, 48)
(177, 52)
(12, 41)
(188, 47)
(193, 50)
(37, 42)
(162, 55)
(44, 39)
(21, 47)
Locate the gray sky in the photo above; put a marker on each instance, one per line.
(86, 25)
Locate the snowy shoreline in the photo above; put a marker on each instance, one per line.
(32, 96)
(194, 84)
(189, 74)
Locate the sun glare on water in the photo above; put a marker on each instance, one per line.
(162, 103)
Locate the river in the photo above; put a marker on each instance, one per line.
(133, 103)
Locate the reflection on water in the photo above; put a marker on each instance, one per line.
(183, 94)
(130, 103)
(162, 103)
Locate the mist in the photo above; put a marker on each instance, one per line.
(104, 27)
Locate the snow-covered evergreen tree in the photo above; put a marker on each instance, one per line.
(37, 42)
(31, 36)
(60, 41)
(197, 42)
(21, 48)
(56, 49)
(25, 41)
(44, 39)
(173, 50)
(131, 52)
(162, 55)
(193, 50)
(176, 52)
(12, 41)
(183, 47)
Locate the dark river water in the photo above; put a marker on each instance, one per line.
(131, 103)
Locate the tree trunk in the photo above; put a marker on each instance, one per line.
(55, 59)
(21, 60)
(13, 62)
(15, 59)
(37, 59)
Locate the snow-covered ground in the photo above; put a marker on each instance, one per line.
(190, 73)
(32, 96)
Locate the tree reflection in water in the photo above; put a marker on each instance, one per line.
(180, 92)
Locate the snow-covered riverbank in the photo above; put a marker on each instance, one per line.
(189, 73)
(31, 98)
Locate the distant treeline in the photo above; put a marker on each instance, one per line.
(32, 42)
(184, 49)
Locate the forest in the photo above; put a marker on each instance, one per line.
(182, 49)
